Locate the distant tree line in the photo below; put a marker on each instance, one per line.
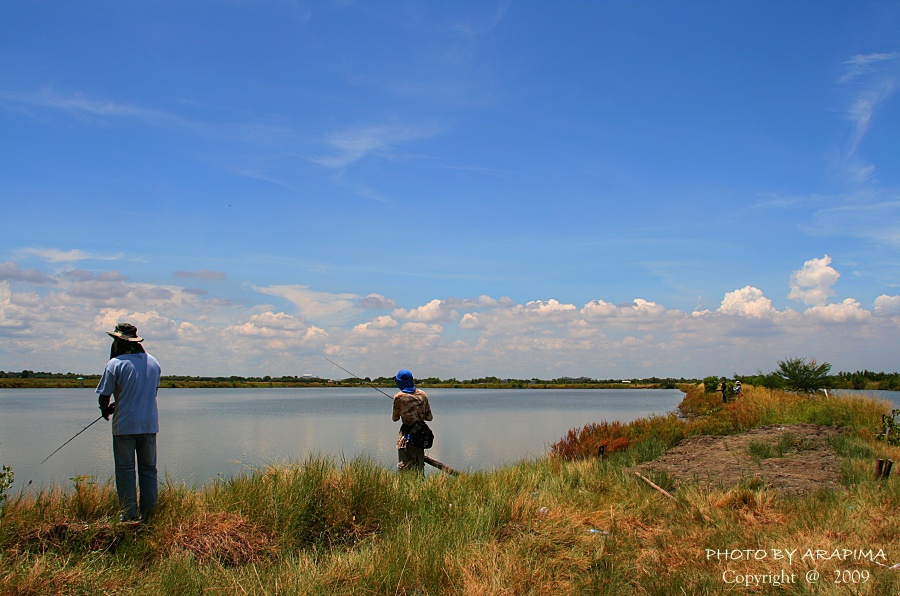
(793, 374)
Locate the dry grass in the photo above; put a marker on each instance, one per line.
(220, 537)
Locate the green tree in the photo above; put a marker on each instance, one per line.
(802, 376)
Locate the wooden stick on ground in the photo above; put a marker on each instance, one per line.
(648, 481)
(442, 467)
(666, 493)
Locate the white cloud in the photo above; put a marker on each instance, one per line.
(433, 312)
(470, 320)
(53, 255)
(638, 310)
(887, 305)
(847, 311)
(315, 305)
(376, 327)
(599, 309)
(748, 302)
(551, 306)
(64, 328)
(812, 283)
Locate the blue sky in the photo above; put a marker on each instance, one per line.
(522, 189)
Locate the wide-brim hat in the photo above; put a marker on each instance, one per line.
(405, 381)
(125, 331)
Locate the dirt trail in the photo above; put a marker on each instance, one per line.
(793, 459)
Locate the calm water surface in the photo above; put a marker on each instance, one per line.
(892, 397)
(207, 434)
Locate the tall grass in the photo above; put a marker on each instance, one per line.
(547, 526)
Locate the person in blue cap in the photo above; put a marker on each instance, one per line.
(411, 406)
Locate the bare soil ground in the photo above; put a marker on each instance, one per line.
(793, 459)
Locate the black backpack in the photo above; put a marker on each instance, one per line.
(420, 435)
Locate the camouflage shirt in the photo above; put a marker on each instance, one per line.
(411, 407)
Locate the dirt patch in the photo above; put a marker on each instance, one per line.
(793, 459)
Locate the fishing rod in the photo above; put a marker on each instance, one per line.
(70, 440)
(358, 377)
(428, 460)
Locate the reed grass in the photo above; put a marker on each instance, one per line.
(570, 523)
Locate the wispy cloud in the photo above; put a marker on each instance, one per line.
(315, 305)
(201, 274)
(862, 64)
(77, 104)
(83, 106)
(351, 145)
(877, 78)
(53, 255)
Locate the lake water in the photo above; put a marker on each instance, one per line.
(207, 434)
(888, 396)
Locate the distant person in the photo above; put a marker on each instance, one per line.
(737, 388)
(724, 391)
(132, 376)
(410, 406)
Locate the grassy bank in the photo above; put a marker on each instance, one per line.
(566, 524)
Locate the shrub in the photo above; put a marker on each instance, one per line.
(712, 384)
(801, 376)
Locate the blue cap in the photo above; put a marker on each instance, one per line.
(405, 381)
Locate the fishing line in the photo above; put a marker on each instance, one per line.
(358, 377)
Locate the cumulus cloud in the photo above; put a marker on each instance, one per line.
(812, 283)
(847, 311)
(434, 311)
(887, 305)
(636, 309)
(748, 302)
(271, 324)
(548, 307)
(376, 326)
(150, 324)
(470, 320)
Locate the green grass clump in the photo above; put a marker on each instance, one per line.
(569, 523)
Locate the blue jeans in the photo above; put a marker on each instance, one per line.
(125, 449)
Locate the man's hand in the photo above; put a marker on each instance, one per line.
(107, 411)
(106, 408)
